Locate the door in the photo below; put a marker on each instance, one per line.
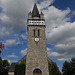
(37, 72)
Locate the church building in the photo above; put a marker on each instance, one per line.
(36, 59)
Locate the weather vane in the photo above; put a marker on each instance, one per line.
(1, 46)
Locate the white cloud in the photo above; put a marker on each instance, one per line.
(12, 56)
(64, 59)
(74, 13)
(48, 49)
(45, 3)
(62, 33)
(59, 30)
(54, 54)
(24, 52)
(64, 56)
(4, 32)
(11, 42)
(55, 18)
(12, 61)
(24, 36)
(63, 38)
(15, 13)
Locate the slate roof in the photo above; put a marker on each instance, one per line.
(24, 58)
(12, 67)
(35, 12)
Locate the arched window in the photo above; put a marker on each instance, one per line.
(37, 71)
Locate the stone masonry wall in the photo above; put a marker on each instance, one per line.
(36, 51)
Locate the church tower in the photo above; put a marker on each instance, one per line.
(36, 60)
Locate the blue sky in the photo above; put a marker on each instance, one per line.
(60, 28)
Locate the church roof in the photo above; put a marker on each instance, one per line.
(35, 12)
(24, 58)
(12, 67)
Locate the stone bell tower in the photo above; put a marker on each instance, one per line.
(36, 60)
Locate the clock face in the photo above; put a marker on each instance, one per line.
(36, 39)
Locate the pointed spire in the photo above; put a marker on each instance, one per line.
(35, 12)
(30, 12)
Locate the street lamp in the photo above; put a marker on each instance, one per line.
(1, 46)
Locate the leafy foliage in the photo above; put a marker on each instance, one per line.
(20, 68)
(4, 67)
(53, 69)
(69, 67)
(1, 66)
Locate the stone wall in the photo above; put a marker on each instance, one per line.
(11, 73)
(36, 51)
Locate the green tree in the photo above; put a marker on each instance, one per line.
(73, 66)
(69, 67)
(20, 68)
(5, 67)
(1, 66)
(53, 69)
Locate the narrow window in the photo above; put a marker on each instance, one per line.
(34, 32)
(38, 32)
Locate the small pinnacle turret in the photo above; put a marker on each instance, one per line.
(30, 12)
(42, 13)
